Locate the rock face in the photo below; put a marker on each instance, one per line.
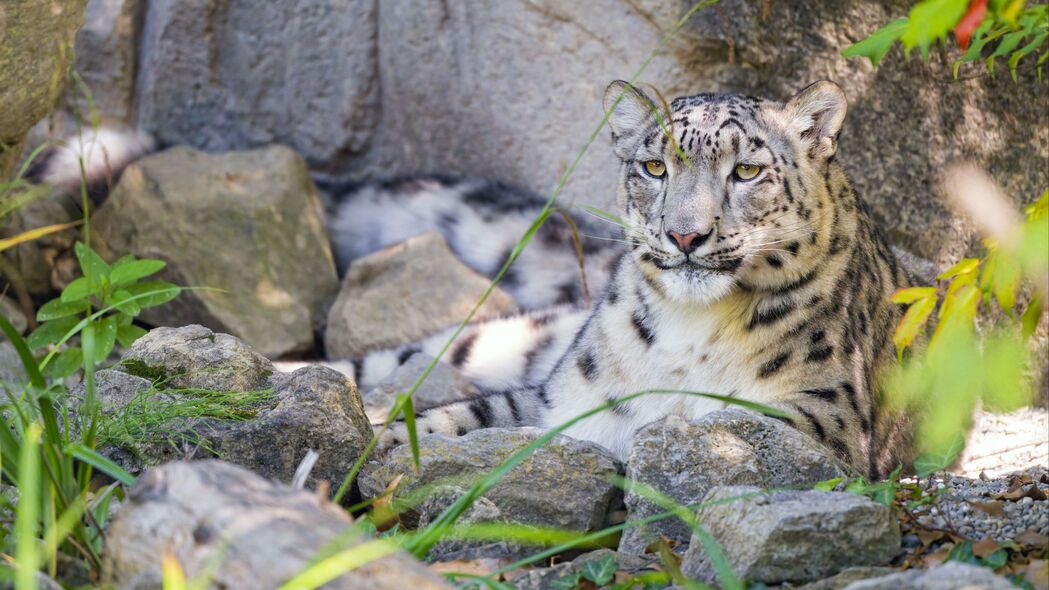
(258, 534)
(35, 38)
(270, 431)
(572, 475)
(107, 55)
(309, 82)
(685, 460)
(792, 536)
(404, 293)
(245, 223)
(948, 576)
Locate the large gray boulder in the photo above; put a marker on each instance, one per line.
(792, 536)
(246, 225)
(564, 484)
(255, 534)
(685, 460)
(948, 576)
(214, 396)
(35, 41)
(404, 293)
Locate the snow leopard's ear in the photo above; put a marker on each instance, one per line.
(630, 113)
(816, 114)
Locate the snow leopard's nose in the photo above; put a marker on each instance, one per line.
(687, 243)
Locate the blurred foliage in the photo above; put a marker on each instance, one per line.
(959, 366)
(985, 29)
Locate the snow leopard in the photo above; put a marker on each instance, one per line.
(747, 267)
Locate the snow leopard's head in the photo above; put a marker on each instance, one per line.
(719, 191)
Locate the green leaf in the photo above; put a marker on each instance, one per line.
(77, 290)
(1014, 59)
(127, 335)
(56, 308)
(964, 266)
(127, 271)
(932, 462)
(91, 264)
(995, 560)
(93, 458)
(128, 308)
(65, 363)
(930, 21)
(963, 552)
(600, 571)
(827, 485)
(105, 338)
(51, 332)
(878, 44)
(569, 582)
(32, 369)
(1031, 316)
(913, 322)
(162, 292)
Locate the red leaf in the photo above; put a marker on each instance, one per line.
(965, 27)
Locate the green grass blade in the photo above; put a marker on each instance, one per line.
(27, 514)
(332, 567)
(100, 462)
(32, 369)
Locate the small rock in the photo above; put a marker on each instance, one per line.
(445, 384)
(245, 224)
(948, 576)
(255, 534)
(195, 357)
(792, 536)
(730, 447)
(404, 293)
(314, 408)
(564, 483)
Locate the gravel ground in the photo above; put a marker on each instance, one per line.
(970, 507)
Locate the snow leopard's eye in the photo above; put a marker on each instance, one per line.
(746, 171)
(656, 168)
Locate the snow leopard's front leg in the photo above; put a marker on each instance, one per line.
(514, 407)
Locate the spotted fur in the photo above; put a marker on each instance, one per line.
(781, 298)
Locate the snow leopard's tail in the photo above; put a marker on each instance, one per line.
(482, 221)
(104, 153)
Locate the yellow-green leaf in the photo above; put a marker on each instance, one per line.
(913, 322)
(964, 266)
(912, 294)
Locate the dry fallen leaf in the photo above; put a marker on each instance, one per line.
(992, 508)
(985, 547)
(1033, 539)
(928, 537)
(1037, 573)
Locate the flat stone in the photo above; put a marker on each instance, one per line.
(685, 460)
(404, 293)
(573, 477)
(792, 536)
